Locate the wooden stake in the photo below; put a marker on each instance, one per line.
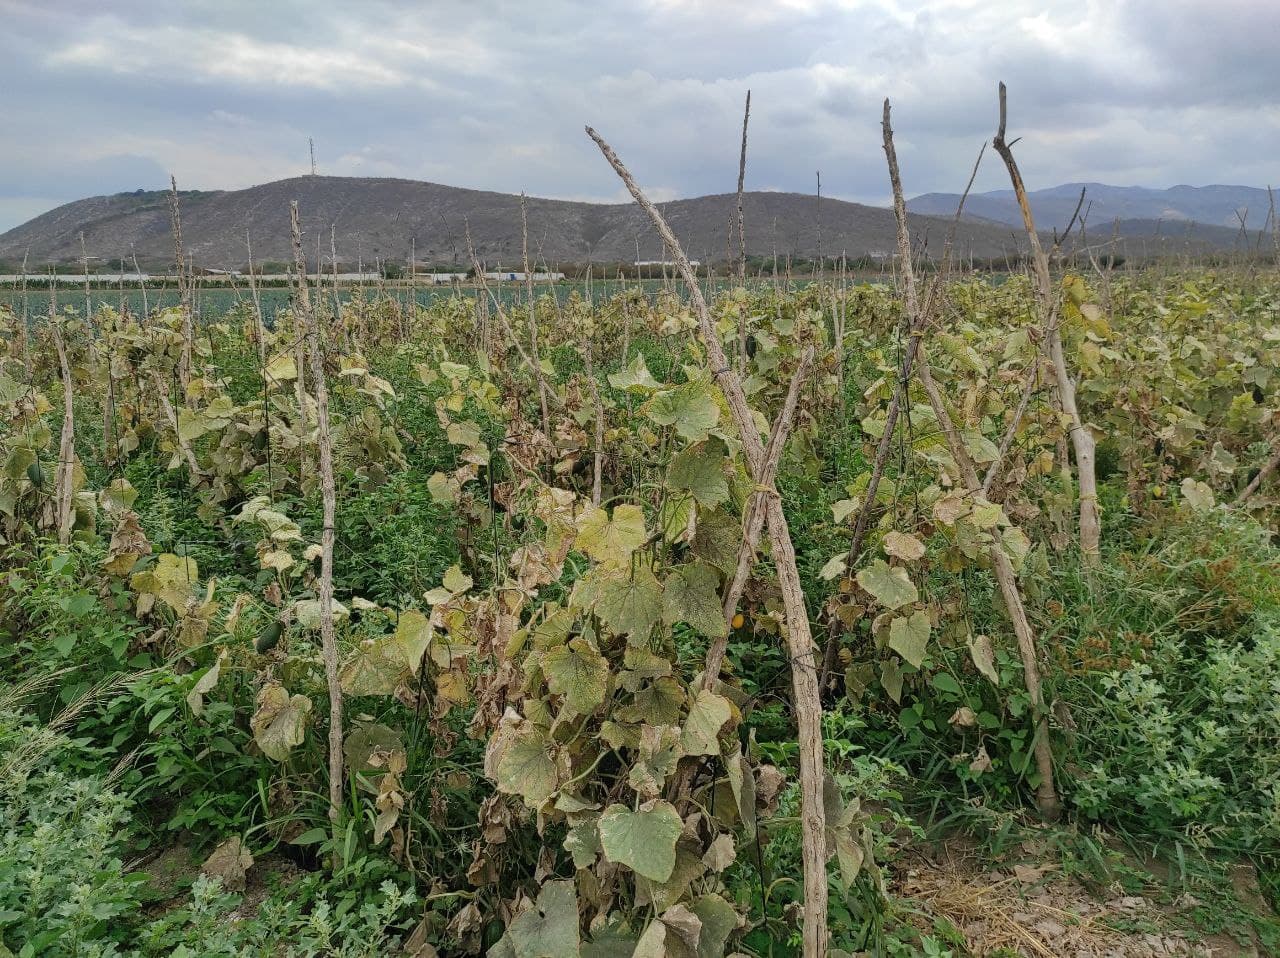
(328, 492)
(1006, 578)
(184, 287)
(1081, 439)
(804, 673)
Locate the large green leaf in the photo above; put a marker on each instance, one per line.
(719, 919)
(635, 377)
(658, 703)
(716, 539)
(891, 587)
(379, 666)
(548, 929)
(909, 636)
(691, 594)
(690, 408)
(525, 766)
(611, 539)
(643, 840)
(707, 716)
(579, 673)
(630, 605)
(700, 470)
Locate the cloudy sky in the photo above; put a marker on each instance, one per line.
(101, 98)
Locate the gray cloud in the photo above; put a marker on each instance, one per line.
(493, 94)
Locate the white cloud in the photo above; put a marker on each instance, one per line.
(493, 94)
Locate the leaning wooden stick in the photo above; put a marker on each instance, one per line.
(1006, 578)
(184, 286)
(754, 522)
(911, 329)
(804, 673)
(328, 492)
(1270, 466)
(67, 442)
(1081, 439)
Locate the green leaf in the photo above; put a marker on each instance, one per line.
(630, 605)
(891, 587)
(548, 929)
(579, 673)
(525, 766)
(118, 496)
(635, 377)
(690, 408)
(444, 488)
(891, 679)
(909, 636)
(159, 719)
(842, 509)
(643, 840)
(312, 836)
(582, 842)
(707, 716)
(280, 721)
(691, 594)
(833, 568)
(716, 540)
(658, 703)
(700, 470)
(611, 539)
(1198, 495)
(945, 682)
(719, 919)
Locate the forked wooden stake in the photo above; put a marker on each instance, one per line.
(804, 672)
(755, 514)
(328, 492)
(1081, 439)
(1006, 578)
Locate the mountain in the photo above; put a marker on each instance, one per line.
(1214, 206)
(376, 219)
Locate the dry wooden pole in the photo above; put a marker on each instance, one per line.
(804, 674)
(1271, 215)
(67, 442)
(24, 331)
(742, 176)
(532, 317)
(910, 330)
(597, 464)
(328, 492)
(1270, 466)
(184, 287)
(1081, 439)
(1006, 578)
(260, 328)
(753, 525)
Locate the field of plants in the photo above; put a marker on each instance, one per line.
(933, 618)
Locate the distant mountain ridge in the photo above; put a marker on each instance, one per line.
(1214, 206)
(376, 220)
